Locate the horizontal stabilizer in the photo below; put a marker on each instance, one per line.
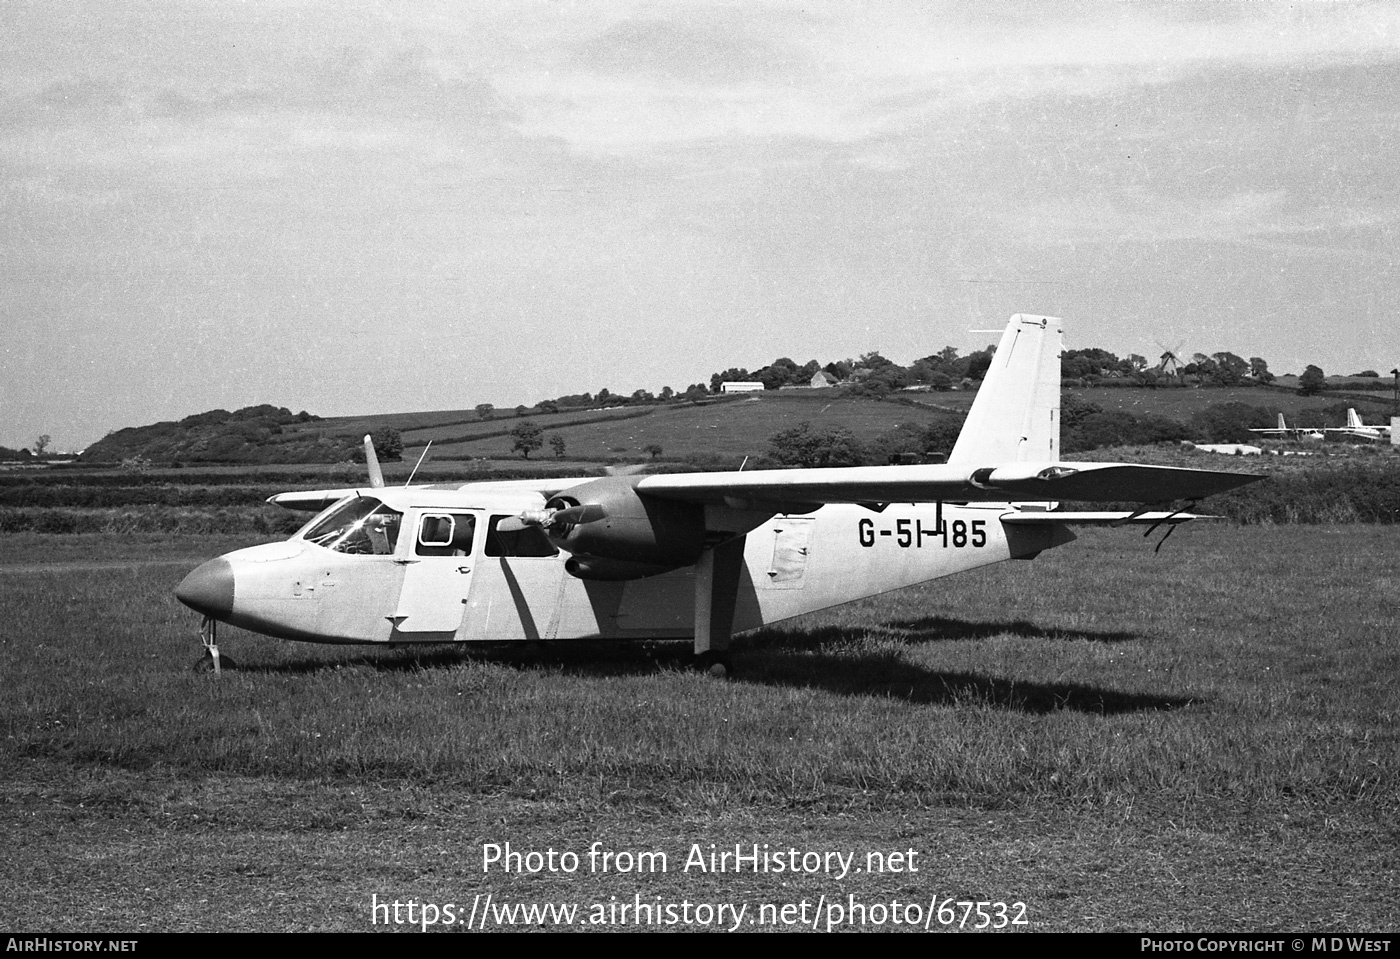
(1106, 482)
(1072, 518)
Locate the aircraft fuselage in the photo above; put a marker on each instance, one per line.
(426, 589)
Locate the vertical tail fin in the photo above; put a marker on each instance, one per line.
(1353, 421)
(1281, 424)
(1016, 415)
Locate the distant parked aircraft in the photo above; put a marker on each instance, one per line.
(1359, 430)
(1286, 432)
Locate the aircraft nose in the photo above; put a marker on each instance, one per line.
(208, 589)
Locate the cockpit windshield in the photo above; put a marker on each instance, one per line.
(358, 525)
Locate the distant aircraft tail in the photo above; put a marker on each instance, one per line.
(1282, 427)
(1353, 421)
(1016, 415)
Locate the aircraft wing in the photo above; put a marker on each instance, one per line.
(312, 500)
(315, 500)
(798, 490)
(1365, 433)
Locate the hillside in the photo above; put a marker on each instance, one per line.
(254, 435)
(718, 431)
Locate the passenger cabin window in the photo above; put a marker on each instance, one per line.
(445, 534)
(530, 541)
(361, 525)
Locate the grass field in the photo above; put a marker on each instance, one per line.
(723, 432)
(1202, 739)
(1182, 404)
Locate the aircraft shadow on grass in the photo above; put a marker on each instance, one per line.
(802, 659)
(934, 629)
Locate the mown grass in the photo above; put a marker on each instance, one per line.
(1096, 733)
(1167, 678)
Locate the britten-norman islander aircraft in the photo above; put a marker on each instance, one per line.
(1286, 432)
(1359, 430)
(700, 555)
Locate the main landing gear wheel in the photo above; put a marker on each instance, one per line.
(715, 664)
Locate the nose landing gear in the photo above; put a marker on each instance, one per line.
(211, 661)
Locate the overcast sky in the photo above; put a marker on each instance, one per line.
(377, 207)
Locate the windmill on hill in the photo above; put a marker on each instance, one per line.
(1169, 363)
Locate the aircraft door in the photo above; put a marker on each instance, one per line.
(437, 572)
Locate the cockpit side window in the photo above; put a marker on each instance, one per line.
(361, 525)
(530, 541)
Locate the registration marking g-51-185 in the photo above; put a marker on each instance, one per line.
(911, 533)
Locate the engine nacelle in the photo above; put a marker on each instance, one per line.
(636, 536)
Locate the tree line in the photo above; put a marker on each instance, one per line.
(1084, 426)
(872, 374)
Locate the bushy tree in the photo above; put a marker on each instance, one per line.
(919, 439)
(882, 380)
(1312, 382)
(1092, 430)
(979, 361)
(1077, 364)
(1229, 369)
(388, 444)
(803, 446)
(841, 369)
(526, 438)
(1074, 408)
(873, 361)
(1230, 422)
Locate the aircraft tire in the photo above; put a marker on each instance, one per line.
(205, 663)
(714, 664)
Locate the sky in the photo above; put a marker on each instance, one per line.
(359, 207)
